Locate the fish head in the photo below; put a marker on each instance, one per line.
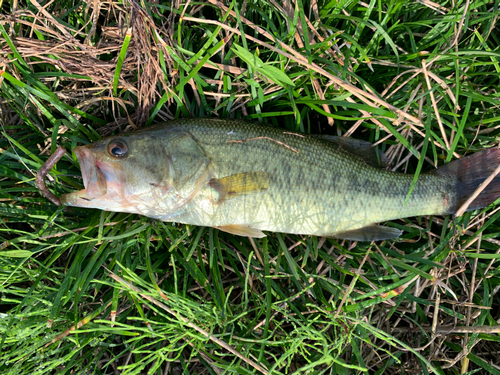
(120, 173)
(144, 172)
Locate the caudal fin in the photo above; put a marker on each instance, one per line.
(471, 172)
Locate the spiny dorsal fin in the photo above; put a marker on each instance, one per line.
(369, 233)
(239, 184)
(242, 230)
(362, 149)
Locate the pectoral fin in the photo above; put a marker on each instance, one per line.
(239, 184)
(242, 230)
(369, 233)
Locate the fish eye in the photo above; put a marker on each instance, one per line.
(118, 149)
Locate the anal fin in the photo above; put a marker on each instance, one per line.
(242, 230)
(369, 233)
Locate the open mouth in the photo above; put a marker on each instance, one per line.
(103, 182)
(94, 179)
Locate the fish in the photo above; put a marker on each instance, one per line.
(246, 179)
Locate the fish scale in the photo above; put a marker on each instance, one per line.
(246, 178)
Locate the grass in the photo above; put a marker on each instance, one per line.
(112, 293)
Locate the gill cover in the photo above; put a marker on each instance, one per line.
(188, 164)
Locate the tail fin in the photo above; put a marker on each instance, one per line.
(471, 171)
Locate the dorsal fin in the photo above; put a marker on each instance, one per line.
(362, 149)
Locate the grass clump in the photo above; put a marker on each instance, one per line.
(107, 293)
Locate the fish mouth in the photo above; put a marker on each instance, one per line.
(94, 180)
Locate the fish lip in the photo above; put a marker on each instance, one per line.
(103, 182)
(94, 179)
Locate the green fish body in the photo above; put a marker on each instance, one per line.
(245, 178)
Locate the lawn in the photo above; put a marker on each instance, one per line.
(93, 292)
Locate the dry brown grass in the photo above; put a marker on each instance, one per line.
(75, 53)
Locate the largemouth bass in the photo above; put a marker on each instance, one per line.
(244, 179)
